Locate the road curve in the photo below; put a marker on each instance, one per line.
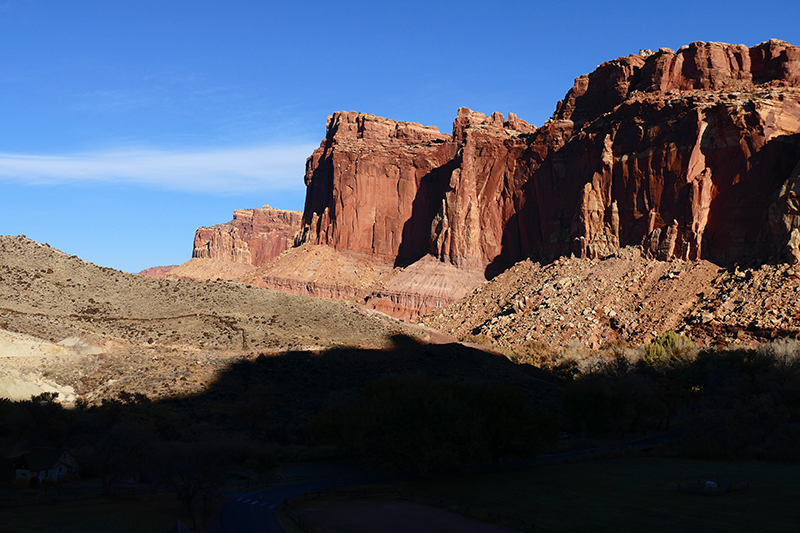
(256, 512)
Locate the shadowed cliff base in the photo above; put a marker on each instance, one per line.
(255, 413)
(251, 402)
(383, 403)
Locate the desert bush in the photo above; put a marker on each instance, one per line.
(477, 339)
(667, 347)
(785, 351)
(536, 353)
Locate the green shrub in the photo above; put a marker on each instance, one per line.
(667, 346)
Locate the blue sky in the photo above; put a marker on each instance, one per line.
(128, 124)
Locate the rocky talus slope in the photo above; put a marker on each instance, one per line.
(87, 331)
(626, 297)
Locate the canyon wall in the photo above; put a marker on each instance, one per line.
(692, 154)
(253, 237)
(687, 153)
(369, 182)
(394, 192)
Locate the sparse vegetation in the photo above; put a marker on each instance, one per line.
(732, 403)
(666, 348)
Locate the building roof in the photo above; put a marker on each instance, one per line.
(41, 459)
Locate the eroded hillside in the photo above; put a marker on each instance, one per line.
(627, 297)
(101, 331)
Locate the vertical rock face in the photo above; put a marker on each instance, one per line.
(691, 154)
(253, 237)
(396, 191)
(368, 183)
(479, 199)
(785, 217)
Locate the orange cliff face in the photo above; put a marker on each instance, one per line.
(253, 237)
(394, 192)
(368, 183)
(690, 154)
(687, 153)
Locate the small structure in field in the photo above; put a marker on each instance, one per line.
(45, 466)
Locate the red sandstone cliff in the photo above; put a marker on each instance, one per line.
(692, 154)
(369, 181)
(253, 237)
(687, 153)
(396, 191)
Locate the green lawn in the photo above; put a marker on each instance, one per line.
(630, 494)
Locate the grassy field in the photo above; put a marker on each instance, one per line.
(629, 494)
(128, 514)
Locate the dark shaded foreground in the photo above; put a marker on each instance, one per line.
(256, 414)
(728, 404)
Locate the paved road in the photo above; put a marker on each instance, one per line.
(256, 512)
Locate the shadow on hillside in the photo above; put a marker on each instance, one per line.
(749, 233)
(257, 413)
(294, 387)
(272, 398)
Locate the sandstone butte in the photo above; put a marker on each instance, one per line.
(253, 238)
(693, 154)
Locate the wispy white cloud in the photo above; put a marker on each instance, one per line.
(267, 168)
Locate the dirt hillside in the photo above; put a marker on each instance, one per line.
(92, 332)
(629, 297)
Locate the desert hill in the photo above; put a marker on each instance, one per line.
(218, 364)
(91, 331)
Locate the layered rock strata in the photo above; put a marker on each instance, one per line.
(688, 153)
(253, 237)
(159, 272)
(402, 292)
